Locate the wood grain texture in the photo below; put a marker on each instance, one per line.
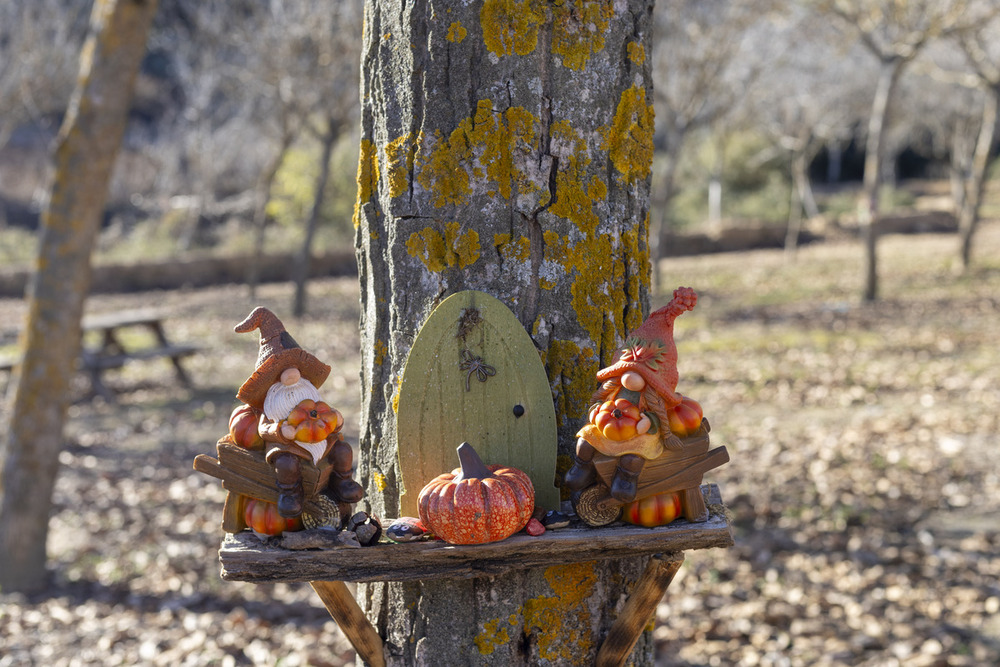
(639, 608)
(244, 558)
(344, 609)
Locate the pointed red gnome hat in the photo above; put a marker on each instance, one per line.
(650, 350)
(278, 352)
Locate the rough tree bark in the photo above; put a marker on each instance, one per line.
(506, 147)
(88, 143)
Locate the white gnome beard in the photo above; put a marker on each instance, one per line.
(282, 399)
(316, 449)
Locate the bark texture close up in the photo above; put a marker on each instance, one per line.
(506, 147)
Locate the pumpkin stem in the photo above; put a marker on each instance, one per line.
(472, 466)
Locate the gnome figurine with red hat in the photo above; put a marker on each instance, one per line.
(631, 418)
(295, 423)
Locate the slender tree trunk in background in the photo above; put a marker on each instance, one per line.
(794, 208)
(506, 147)
(264, 186)
(659, 238)
(968, 218)
(88, 143)
(868, 211)
(300, 270)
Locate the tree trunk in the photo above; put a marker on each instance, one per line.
(868, 208)
(506, 147)
(264, 185)
(658, 239)
(88, 143)
(795, 205)
(968, 218)
(300, 270)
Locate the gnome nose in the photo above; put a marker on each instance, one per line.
(290, 376)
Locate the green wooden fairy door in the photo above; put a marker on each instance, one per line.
(473, 375)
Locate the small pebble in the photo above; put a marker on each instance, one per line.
(534, 528)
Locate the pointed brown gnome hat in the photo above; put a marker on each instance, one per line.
(278, 352)
(650, 350)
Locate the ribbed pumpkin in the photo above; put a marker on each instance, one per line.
(685, 418)
(653, 511)
(476, 503)
(243, 427)
(314, 420)
(263, 518)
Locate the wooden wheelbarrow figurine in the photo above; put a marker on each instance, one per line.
(677, 470)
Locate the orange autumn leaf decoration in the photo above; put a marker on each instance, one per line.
(313, 421)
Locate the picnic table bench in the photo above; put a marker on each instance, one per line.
(245, 558)
(111, 350)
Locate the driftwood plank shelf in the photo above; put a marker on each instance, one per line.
(245, 558)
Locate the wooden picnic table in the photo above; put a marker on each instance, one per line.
(112, 350)
(245, 558)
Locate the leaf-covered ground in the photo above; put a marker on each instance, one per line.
(864, 481)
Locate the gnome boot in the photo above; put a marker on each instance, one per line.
(581, 474)
(625, 483)
(342, 483)
(288, 479)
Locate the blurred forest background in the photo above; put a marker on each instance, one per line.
(243, 134)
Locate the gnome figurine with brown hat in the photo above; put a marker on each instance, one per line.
(295, 423)
(631, 418)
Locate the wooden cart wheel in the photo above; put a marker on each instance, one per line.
(590, 506)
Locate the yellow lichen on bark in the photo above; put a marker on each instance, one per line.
(511, 26)
(516, 250)
(456, 33)
(482, 149)
(637, 252)
(440, 251)
(579, 28)
(563, 619)
(636, 53)
(572, 368)
(399, 155)
(368, 175)
(493, 635)
(629, 138)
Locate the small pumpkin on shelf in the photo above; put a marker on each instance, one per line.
(264, 520)
(476, 503)
(653, 511)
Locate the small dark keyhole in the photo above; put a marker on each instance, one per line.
(518, 410)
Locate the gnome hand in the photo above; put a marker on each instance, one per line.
(288, 431)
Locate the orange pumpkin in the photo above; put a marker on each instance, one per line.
(685, 418)
(617, 419)
(263, 518)
(313, 421)
(243, 427)
(476, 503)
(658, 510)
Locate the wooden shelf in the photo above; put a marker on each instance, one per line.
(245, 558)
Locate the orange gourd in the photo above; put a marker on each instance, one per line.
(243, 427)
(617, 419)
(263, 518)
(685, 418)
(476, 503)
(658, 510)
(313, 421)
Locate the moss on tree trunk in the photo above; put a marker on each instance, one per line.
(506, 147)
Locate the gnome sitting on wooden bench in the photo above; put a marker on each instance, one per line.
(295, 423)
